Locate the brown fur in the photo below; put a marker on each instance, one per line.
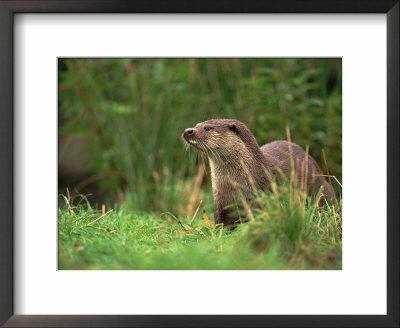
(237, 164)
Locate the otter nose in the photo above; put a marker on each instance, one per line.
(188, 132)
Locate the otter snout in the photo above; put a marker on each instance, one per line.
(188, 132)
(188, 135)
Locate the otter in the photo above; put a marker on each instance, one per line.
(236, 159)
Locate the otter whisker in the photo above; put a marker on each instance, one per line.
(213, 154)
(203, 152)
(210, 150)
(186, 146)
(217, 156)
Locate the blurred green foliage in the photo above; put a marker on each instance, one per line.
(130, 114)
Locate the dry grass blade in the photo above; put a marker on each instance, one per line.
(101, 216)
(197, 211)
(189, 231)
(182, 235)
(181, 224)
(220, 233)
(331, 176)
(70, 208)
(326, 165)
(68, 198)
(206, 220)
(315, 206)
(199, 230)
(195, 192)
(246, 206)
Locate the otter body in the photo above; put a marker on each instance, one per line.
(237, 163)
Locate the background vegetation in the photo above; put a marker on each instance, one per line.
(120, 126)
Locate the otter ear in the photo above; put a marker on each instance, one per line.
(234, 128)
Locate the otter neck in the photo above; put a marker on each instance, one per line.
(239, 167)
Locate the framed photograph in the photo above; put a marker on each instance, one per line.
(218, 164)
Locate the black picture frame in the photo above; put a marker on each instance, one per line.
(8, 200)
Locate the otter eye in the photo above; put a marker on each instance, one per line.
(207, 128)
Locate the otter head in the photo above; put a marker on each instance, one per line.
(220, 138)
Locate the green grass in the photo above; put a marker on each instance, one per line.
(284, 233)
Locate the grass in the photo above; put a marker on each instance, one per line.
(284, 233)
